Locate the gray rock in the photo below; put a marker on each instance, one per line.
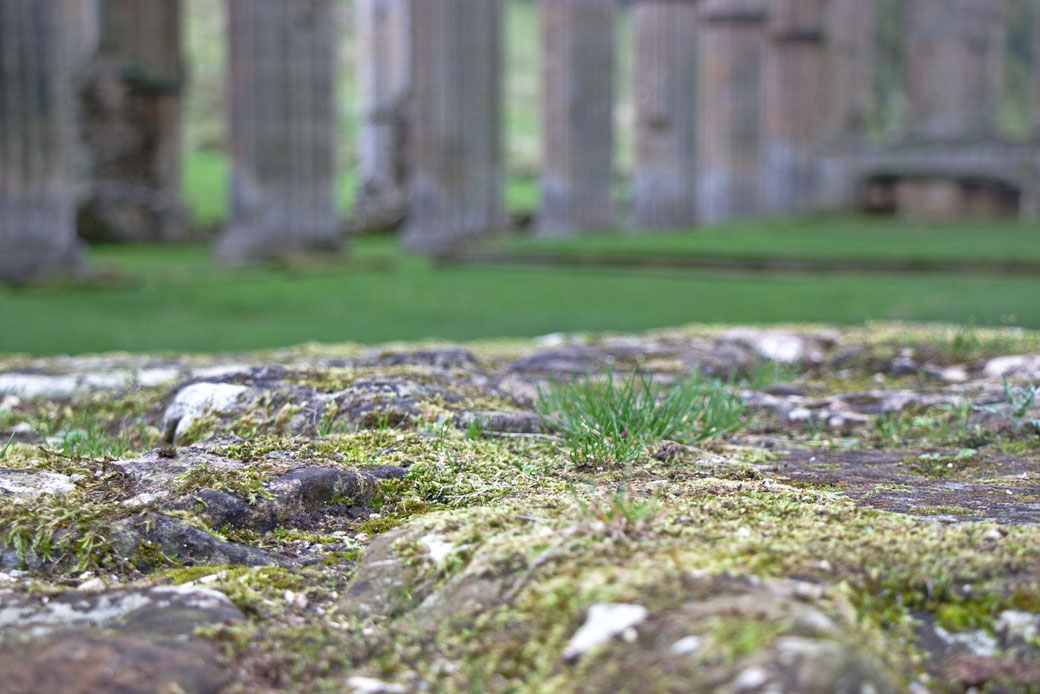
(168, 611)
(123, 640)
(182, 542)
(509, 422)
(295, 498)
(87, 662)
(440, 358)
(158, 470)
(24, 484)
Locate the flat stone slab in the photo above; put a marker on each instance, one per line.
(950, 488)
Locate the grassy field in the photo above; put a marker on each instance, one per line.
(205, 188)
(858, 238)
(175, 298)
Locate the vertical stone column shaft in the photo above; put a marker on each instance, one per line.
(851, 45)
(794, 106)
(664, 187)
(132, 123)
(730, 108)
(577, 115)
(953, 57)
(1036, 70)
(282, 129)
(455, 129)
(383, 29)
(37, 141)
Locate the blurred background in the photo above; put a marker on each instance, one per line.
(199, 175)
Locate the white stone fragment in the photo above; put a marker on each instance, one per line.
(368, 685)
(1015, 365)
(438, 547)
(604, 622)
(978, 642)
(752, 678)
(146, 378)
(1019, 627)
(196, 401)
(687, 645)
(29, 483)
(61, 386)
(144, 498)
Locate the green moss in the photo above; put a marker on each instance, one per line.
(246, 482)
(66, 532)
(944, 511)
(737, 638)
(377, 526)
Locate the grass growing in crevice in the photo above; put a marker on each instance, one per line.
(766, 373)
(604, 421)
(1017, 407)
(623, 513)
(3, 451)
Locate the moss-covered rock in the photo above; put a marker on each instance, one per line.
(403, 518)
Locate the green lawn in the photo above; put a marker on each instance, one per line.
(174, 298)
(205, 187)
(858, 238)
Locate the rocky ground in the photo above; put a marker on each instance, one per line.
(402, 519)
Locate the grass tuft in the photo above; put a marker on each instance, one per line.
(604, 421)
(622, 513)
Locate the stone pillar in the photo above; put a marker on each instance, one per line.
(851, 55)
(953, 57)
(455, 130)
(794, 106)
(851, 46)
(1036, 70)
(664, 187)
(729, 131)
(84, 16)
(282, 129)
(577, 115)
(37, 141)
(383, 30)
(132, 124)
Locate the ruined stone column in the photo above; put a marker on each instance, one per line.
(455, 129)
(282, 129)
(85, 18)
(794, 106)
(953, 58)
(664, 187)
(383, 30)
(1036, 70)
(851, 46)
(37, 141)
(729, 99)
(132, 124)
(851, 54)
(577, 115)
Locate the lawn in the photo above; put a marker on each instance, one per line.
(175, 298)
(854, 238)
(205, 182)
